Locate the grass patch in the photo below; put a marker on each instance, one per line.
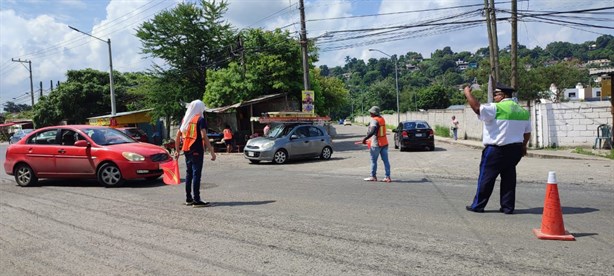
(442, 131)
(609, 155)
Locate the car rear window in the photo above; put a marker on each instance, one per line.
(416, 125)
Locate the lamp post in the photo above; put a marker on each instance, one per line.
(108, 42)
(396, 78)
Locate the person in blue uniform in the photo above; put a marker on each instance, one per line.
(506, 132)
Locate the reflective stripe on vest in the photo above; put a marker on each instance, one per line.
(190, 134)
(382, 140)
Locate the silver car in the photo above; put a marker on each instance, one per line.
(290, 141)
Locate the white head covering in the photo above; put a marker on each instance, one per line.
(196, 107)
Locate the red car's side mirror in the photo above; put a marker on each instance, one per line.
(82, 143)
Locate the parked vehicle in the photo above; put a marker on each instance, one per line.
(136, 133)
(347, 122)
(415, 134)
(290, 141)
(19, 134)
(83, 152)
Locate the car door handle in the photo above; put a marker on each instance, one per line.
(61, 151)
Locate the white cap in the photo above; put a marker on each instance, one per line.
(552, 178)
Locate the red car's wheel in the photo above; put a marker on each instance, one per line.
(24, 175)
(110, 175)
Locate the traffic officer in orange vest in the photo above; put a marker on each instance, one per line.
(378, 144)
(192, 130)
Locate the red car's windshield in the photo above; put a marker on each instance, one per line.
(108, 136)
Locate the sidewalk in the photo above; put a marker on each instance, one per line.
(538, 153)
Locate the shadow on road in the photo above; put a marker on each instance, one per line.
(566, 210)
(93, 183)
(242, 203)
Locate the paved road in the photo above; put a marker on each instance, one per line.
(312, 217)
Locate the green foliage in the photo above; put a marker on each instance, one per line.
(330, 94)
(12, 107)
(271, 64)
(191, 39)
(442, 131)
(85, 93)
(434, 97)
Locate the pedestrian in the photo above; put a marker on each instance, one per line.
(506, 132)
(192, 130)
(228, 138)
(454, 127)
(266, 129)
(378, 144)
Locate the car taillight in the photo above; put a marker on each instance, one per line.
(404, 134)
(430, 132)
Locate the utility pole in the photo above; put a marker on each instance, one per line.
(491, 52)
(493, 22)
(41, 91)
(514, 53)
(29, 69)
(304, 44)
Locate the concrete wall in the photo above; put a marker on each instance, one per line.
(571, 124)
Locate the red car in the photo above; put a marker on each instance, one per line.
(83, 152)
(135, 133)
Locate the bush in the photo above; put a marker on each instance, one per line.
(442, 131)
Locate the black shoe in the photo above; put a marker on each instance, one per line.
(189, 202)
(468, 207)
(505, 212)
(199, 203)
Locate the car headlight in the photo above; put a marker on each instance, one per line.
(268, 145)
(131, 156)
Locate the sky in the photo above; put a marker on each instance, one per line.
(37, 31)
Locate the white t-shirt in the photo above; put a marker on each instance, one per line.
(501, 132)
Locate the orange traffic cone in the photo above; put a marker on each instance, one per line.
(552, 218)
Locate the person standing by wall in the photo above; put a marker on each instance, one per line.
(228, 138)
(378, 144)
(192, 130)
(506, 132)
(454, 127)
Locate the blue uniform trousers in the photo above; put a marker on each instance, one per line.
(498, 160)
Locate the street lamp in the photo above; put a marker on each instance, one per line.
(108, 42)
(396, 78)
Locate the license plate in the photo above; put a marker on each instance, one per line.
(419, 134)
(250, 153)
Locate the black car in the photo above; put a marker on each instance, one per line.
(414, 134)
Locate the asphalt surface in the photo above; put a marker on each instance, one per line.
(313, 217)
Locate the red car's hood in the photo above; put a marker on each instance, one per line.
(140, 148)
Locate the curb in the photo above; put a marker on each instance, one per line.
(530, 153)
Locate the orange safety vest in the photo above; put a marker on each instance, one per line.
(227, 134)
(190, 134)
(382, 140)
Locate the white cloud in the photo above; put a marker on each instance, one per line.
(37, 31)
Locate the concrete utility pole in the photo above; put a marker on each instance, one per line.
(304, 44)
(29, 69)
(108, 42)
(514, 53)
(491, 52)
(493, 22)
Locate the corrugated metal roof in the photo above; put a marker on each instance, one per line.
(245, 103)
(121, 114)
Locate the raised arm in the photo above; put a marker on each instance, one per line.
(473, 102)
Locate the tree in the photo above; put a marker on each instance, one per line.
(84, 94)
(272, 64)
(331, 94)
(12, 107)
(191, 39)
(433, 97)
